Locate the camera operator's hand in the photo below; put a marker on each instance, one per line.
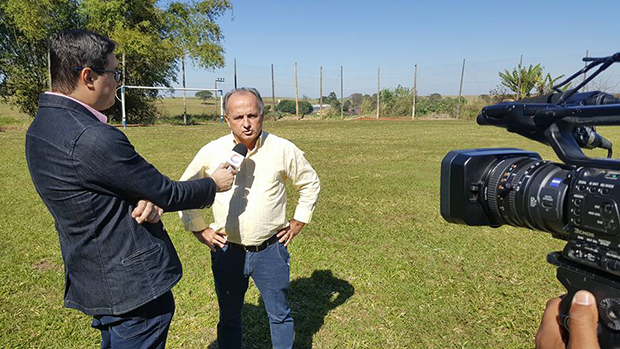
(583, 317)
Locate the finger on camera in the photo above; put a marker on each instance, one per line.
(583, 321)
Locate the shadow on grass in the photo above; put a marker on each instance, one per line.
(311, 299)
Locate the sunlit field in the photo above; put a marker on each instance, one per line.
(378, 267)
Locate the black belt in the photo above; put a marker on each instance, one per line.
(272, 240)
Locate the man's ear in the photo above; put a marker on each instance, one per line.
(87, 78)
(226, 118)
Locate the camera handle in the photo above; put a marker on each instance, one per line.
(561, 137)
(606, 291)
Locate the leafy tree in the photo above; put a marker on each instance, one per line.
(356, 99)
(369, 104)
(25, 28)
(485, 98)
(204, 95)
(304, 108)
(286, 106)
(151, 37)
(330, 98)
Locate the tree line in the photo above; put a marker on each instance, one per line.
(154, 39)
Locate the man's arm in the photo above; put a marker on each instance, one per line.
(107, 162)
(306, 181)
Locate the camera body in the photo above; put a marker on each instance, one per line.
(576, 201)
(493, 187)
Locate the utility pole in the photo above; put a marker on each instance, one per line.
(273, 94)
(378, 91)
(458, 102)
(235, 73)
(296, 94)
(341, 94)
(415, 91)
(321, 95)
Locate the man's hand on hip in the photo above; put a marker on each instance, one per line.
(146, 211)
(211, 238)
(223, 177)
(287, 234)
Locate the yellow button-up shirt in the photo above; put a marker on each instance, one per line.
(254, 208)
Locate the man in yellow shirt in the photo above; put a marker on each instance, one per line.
(250, 234)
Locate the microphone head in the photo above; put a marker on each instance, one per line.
(241, 149)
(238, 155)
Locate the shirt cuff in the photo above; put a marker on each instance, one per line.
(303, 215)
(196, 224)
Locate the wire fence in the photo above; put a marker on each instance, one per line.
(479, 77)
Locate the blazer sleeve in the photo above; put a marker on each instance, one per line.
(106, 161)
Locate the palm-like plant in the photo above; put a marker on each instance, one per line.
(522, 81)
(545, 85)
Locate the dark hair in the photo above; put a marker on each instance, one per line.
(245, 90)
(77, 49)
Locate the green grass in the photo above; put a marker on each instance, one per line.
(12, 118)
(377, 268)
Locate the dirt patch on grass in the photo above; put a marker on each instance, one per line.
(45, 265)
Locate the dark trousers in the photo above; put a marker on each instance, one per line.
(269, 269)
(143, 328)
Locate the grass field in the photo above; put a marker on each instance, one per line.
(377, 268)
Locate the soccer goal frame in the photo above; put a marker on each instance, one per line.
(124, 87)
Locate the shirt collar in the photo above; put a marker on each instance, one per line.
(259, 142)
(94, 111)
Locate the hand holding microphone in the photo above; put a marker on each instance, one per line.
(224, 175)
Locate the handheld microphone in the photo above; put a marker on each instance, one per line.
(237, 156)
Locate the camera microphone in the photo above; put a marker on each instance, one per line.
(587, 137)
(237, 155)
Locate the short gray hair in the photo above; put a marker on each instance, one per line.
(246, 90)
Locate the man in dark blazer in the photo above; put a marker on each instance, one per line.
(91, 180)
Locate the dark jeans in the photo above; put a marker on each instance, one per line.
(143, 328)
(269, 269)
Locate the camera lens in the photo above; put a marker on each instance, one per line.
(526, 192)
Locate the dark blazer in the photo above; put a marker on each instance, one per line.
(90, 178)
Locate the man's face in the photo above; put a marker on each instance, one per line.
(244, 118)
(105, 85)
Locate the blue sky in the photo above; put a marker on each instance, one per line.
(437, 35)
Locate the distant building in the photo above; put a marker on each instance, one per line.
(317, 107)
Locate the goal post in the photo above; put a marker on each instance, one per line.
(216, 91)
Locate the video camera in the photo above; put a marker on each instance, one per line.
(577, 201)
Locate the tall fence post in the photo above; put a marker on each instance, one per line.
(296, 94)
(321, 95)
(378, 91)
(123, 106)
(341, 93)
(415, 91)
(458, 102)
(519, 74)
(585, 64)
(49, 68)
(184, 94)
(273, 94)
